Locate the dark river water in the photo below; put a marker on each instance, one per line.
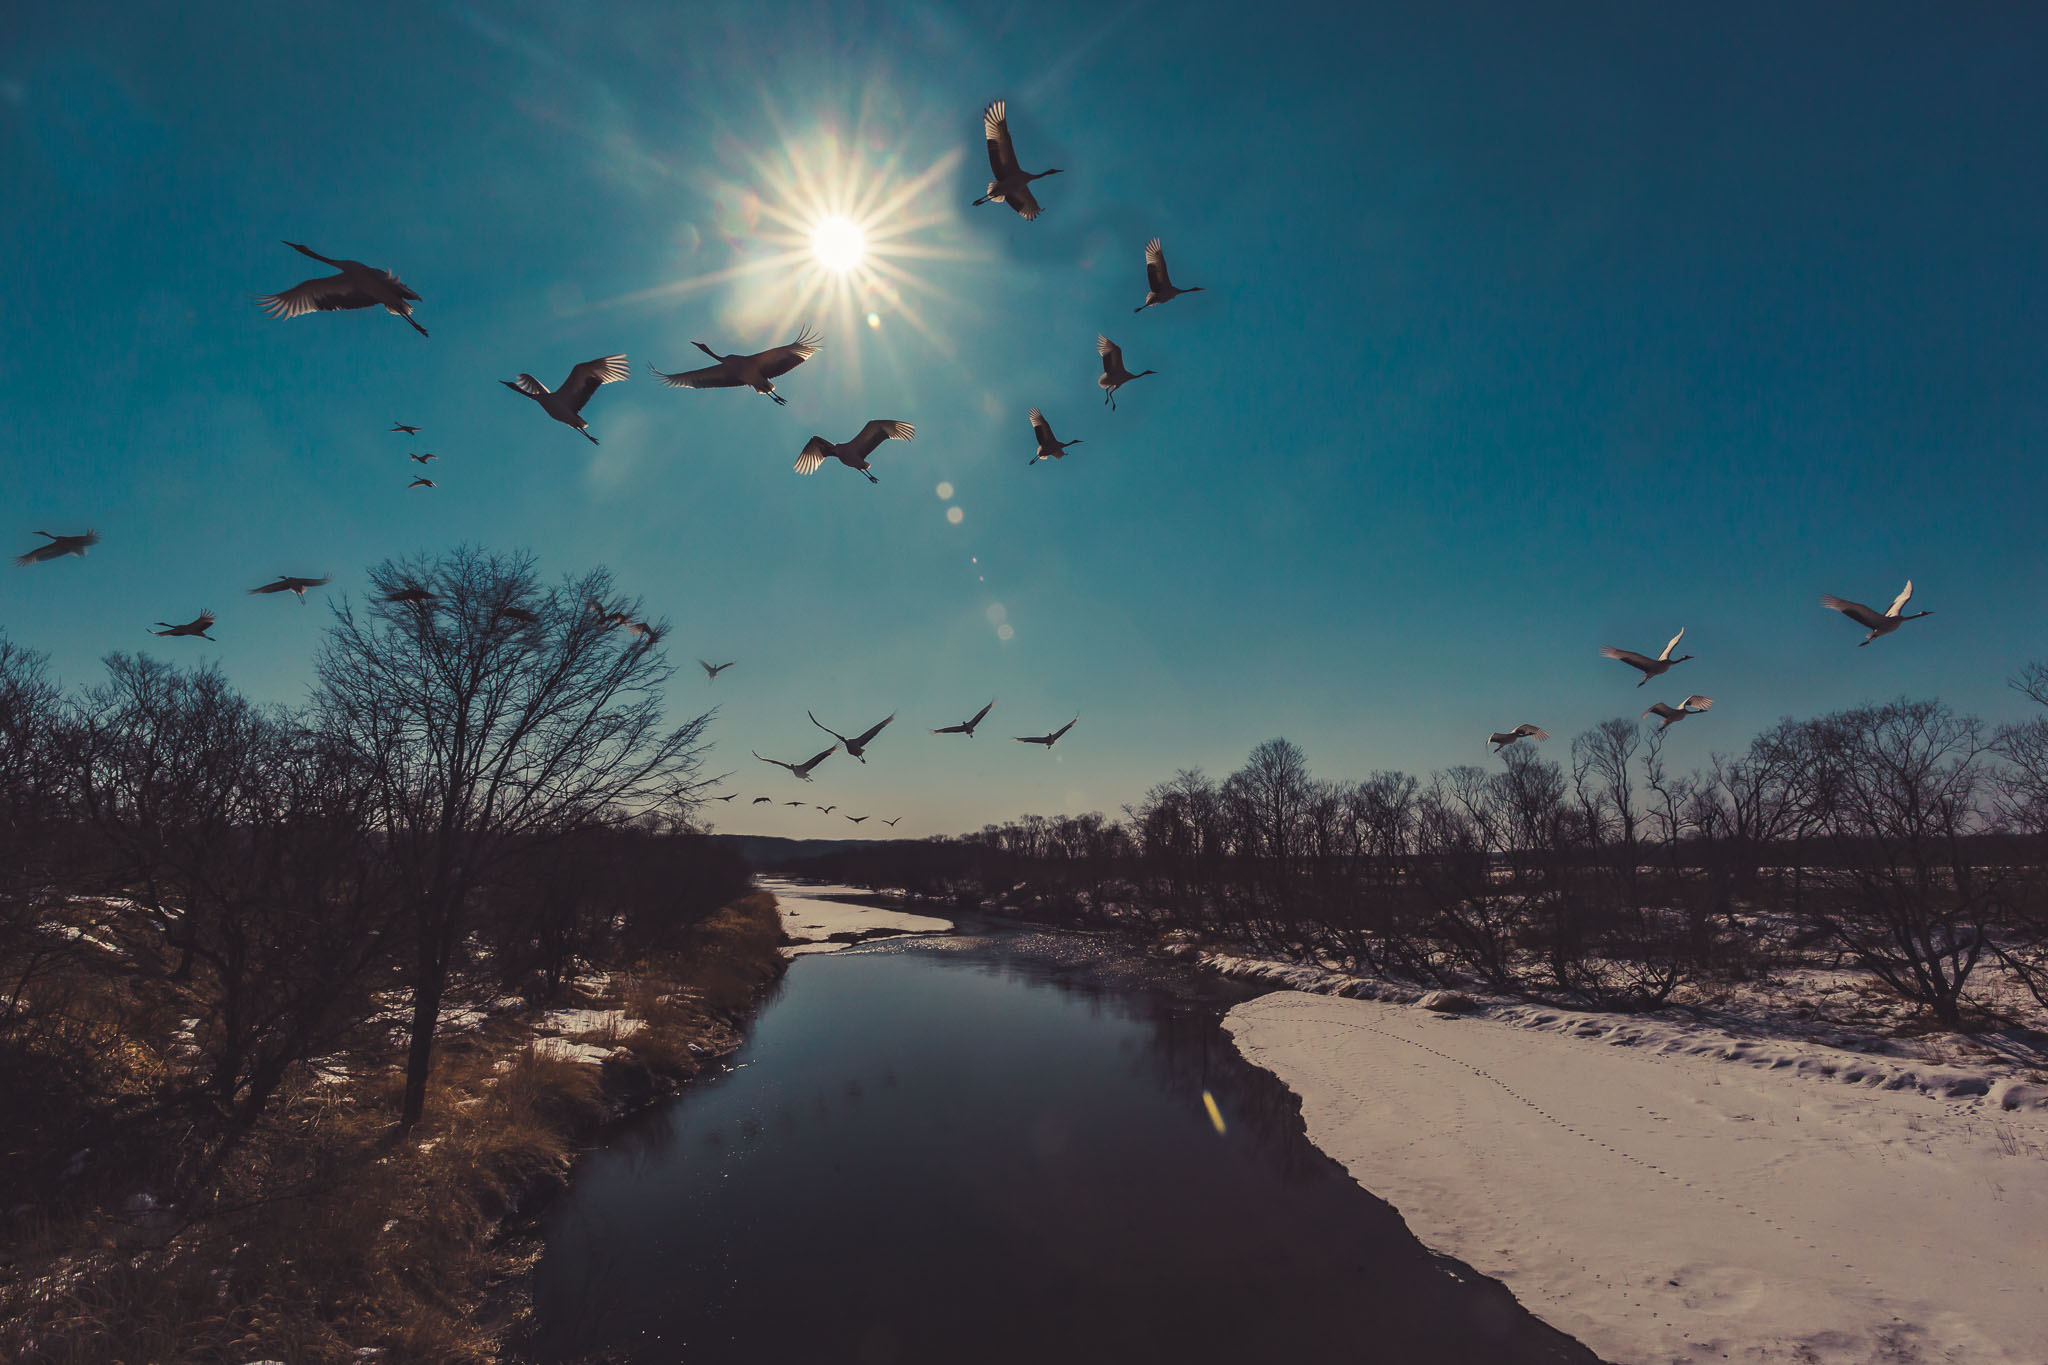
(995, 1148)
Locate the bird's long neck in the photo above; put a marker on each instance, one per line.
(707, 350)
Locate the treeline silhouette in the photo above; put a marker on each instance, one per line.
(1907, 838)
(203, 897)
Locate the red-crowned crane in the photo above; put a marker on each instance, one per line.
(1114, 375)
(1050, 447)
(565, 404)
(1671, 715)
(854, 454)
(197, 627)
(1047, 740)
(1643, 663)
(802, 769)
(857, 746)
(1501, 741)
(747, 371)
(58, 547)
(357, 286)
(1159, 287)
(1012, 183)
(1877, 625)
(965, 727)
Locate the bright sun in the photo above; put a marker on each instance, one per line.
(839, 244)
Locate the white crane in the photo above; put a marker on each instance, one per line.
(565, 404)
(1671, 715)
(802, 769)
(1114, 375)
(746, 371)
(1047, 740)
(1501, 741)
(1159, 286)
(295, 586)
(1050, 447)
(854, 454)
(1643, 663)
(966, 727)
(198, 626)
(1870, 620)
(357, 286)
(711, 671)
(1012, 183)
(58, 547)
(857, 746)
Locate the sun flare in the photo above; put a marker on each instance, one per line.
(839, 244)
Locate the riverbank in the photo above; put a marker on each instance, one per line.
(1672, 1193)
(351, 1243)
(813, 922)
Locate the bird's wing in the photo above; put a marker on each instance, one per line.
(759, 799)
(1905, 596)
(880, 430)
(1155, 267)
(942, 730)
(279, 586)
(1111, 353)
(1064, 728)
(1674, 643)
(1697, 703)
(42, 554)
(1627, 656)
(1532, 731)
(816, 759)
(205, 621)
(814, 456)
(1024, 201)
(1660, 709)
(529, 386)
(874, 730)
(710, 377)
(827, 729)
(995, 125)
(782, 359)
(776, 761)
(584, 379)
(325, 294)
(1855, 611)
(982, 712)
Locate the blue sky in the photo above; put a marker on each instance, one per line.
(1528, 330)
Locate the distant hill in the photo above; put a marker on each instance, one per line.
(766, 850)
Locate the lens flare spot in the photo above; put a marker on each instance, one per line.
(955, 515)
(839, 244)
(1006, 632)
(1215, 1114)
(997, 613)
(945, 492)
(874, 322)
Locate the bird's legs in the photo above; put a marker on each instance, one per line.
(587, 436)
(415, 326)
(869, 477)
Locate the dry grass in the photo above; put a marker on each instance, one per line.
(327, 1233)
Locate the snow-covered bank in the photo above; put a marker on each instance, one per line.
(1665, 1195)
(817, 925)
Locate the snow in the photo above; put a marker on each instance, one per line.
(809, 921)
(577, 1021)
(562, 1050)
(1672, 1193)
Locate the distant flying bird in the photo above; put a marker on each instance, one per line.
(58, 547)
(519, 614)
(760, 800)
(827, 810)
(1860, 614)
(711, 671)
(892, 823)
(421, 459)
(965, 727)
(198, 626)
(727, 797)
(609, 619)
(856, 818)
(423, 483)
(414, 596)
(856, 746)
(1673, 714)
(400, 426)
(1519, 732)
(1047, 740)
(1158, 286)
(854, 454)
(295, 586)
(565, 404)
(1643, 663)
(802, 769)
(1012, 183)
(1114, 375)
(791, 803)
(646, 631)
(357, 286)
(746, 371)
(1050, 447)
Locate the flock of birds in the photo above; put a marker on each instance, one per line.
(1876, 622)
(357, 285)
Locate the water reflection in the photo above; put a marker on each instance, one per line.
(995, 1148)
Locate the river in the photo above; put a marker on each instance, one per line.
(994, 1146)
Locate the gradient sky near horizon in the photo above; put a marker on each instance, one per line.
(1528, 329)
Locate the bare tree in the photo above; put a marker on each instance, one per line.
(494, 712)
